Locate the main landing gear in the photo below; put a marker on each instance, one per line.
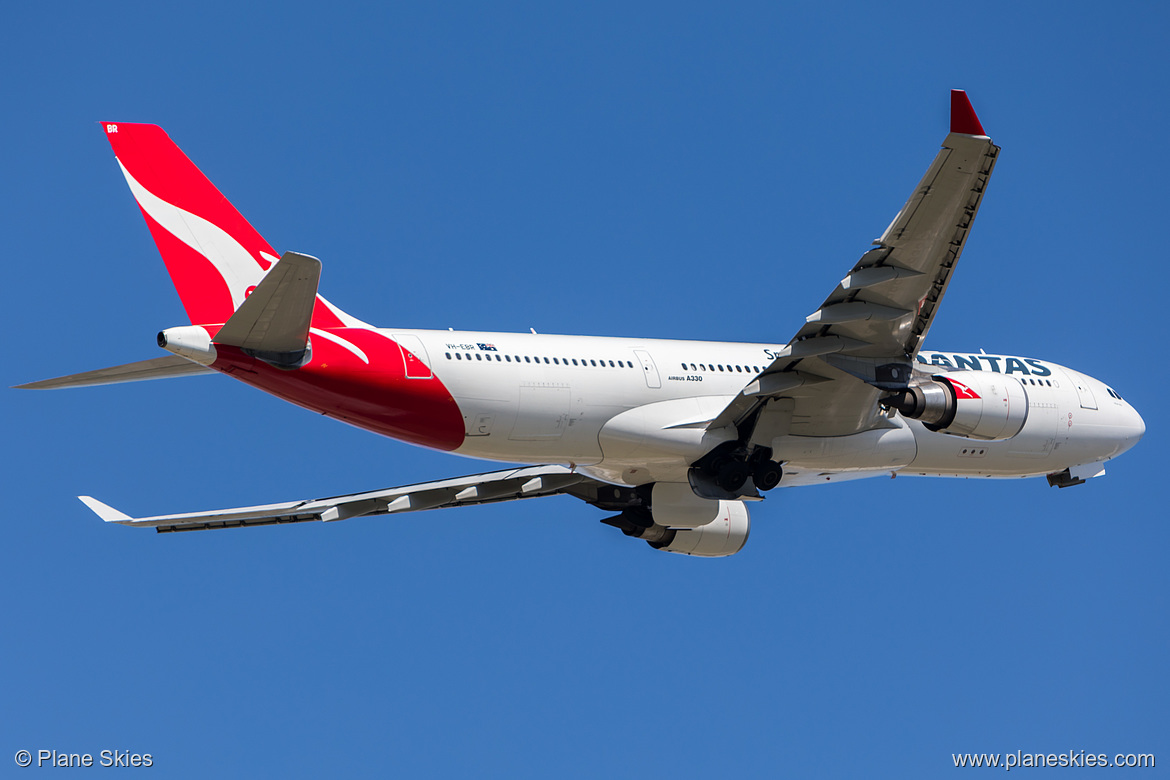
(767, 474)
(730, 466)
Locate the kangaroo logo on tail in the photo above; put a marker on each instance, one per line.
(214, 256)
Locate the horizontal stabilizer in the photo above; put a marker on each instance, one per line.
(158, 368)
(274, 319)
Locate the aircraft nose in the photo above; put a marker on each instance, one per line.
(1135, 427)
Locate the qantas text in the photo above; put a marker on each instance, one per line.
(997, 364)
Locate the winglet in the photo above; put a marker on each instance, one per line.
(963, 118)
(107, 513)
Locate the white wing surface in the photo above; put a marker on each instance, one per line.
(861, 342)
(507, 485)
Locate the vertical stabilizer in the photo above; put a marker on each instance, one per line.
(215, 258)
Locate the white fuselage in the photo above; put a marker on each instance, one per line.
(633, 411)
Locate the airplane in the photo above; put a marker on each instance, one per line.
(673, 438)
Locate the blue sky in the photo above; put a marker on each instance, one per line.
(672, 170)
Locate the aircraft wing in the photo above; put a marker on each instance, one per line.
(506, 485)
(861, 342)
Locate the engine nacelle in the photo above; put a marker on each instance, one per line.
(971, 404)
(694, 526)
(723, 536)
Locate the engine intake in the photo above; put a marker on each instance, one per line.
(970, 404)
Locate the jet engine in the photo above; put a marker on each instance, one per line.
(670, 524)
(971, 404)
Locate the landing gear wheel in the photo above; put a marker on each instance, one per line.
(767, 475)
(732, 476)
(717, 464)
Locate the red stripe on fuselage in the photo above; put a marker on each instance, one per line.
(377, 396)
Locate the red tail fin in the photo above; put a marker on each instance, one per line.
(213, 255)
